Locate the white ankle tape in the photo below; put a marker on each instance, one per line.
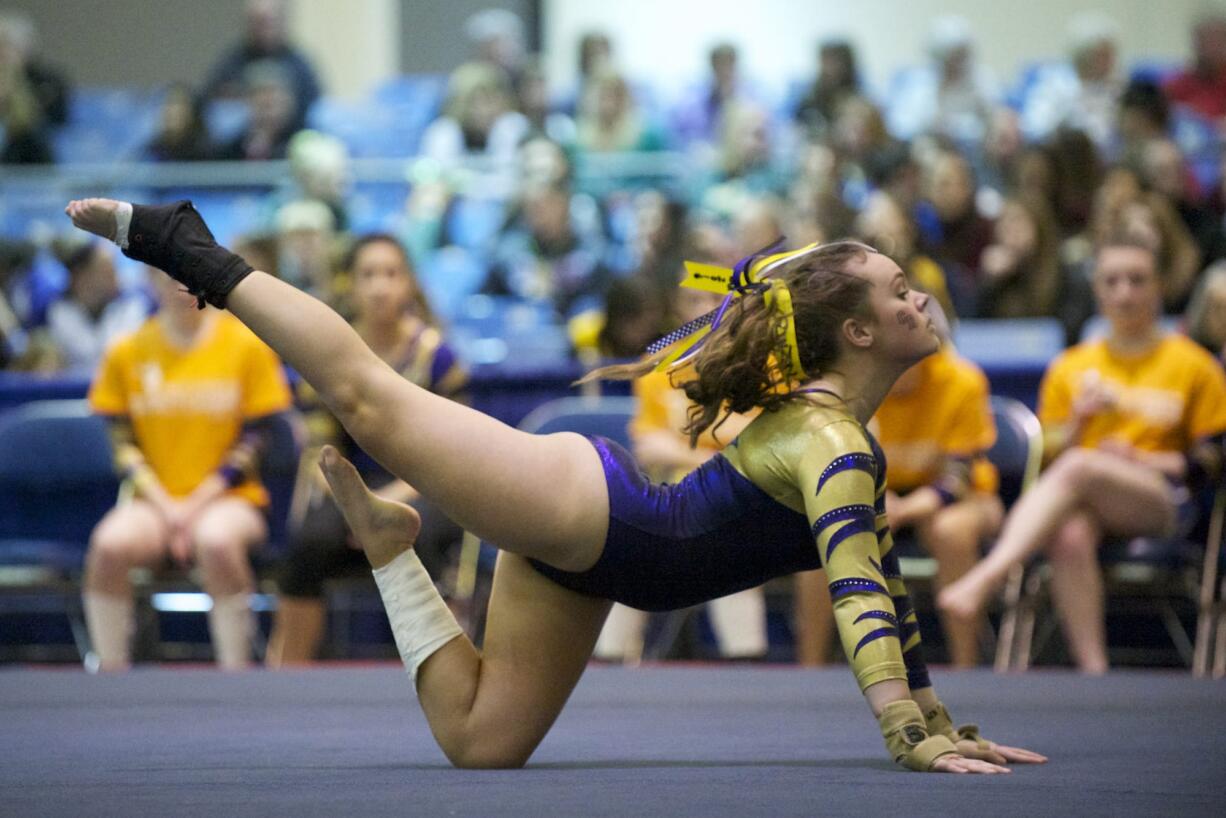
(123, 220)
(421, 622)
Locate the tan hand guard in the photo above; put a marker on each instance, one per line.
(906, 736)
(940, 724)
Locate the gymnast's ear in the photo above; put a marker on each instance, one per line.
(857, 332)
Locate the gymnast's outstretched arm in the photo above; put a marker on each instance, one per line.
(880, 637)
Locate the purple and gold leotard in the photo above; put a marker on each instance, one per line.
(800, 488)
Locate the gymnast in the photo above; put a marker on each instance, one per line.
(815, 337)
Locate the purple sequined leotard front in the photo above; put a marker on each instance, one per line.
(675, 545)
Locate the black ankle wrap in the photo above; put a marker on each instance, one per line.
(175, 239)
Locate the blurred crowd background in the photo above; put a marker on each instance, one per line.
(577, 196)
(547, 166)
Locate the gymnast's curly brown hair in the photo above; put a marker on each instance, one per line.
(742, 365)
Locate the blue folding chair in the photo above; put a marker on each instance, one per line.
(56, 482)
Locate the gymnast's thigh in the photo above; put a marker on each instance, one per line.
(539, 637)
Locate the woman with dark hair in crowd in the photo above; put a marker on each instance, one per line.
(816, 337)
(838, 78)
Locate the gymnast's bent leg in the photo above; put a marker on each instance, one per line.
(540, 496)
(488, 709)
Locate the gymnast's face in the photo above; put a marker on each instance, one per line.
(900, 330)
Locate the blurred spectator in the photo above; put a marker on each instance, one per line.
(271, 120)
(1021, 267)
(838, 78)
(23, 123)
(883, 224)
(266, 40)
(92, 312)
(187, 397)
(745, 168)
(1123, 206)
(757, 224)
(393, 317)
(1082, 93)
(595, 57)
(893, 170)
(1206, 315)
(633, 316)
(746, 154)
(497, 38)
(478, 119)
(1165, 172)
(14, 343)
(532, 91)
(956, 233)
(858, 134)
(1033, 175)
(49, 86)
(700, 115)
(816, 194)
(259, 250)
(547, 255)
(306, 235)
(1001, 150)
(953, 96)
(319, 164)
(1078, 176)
(658, 242)
(18, 41)
(1202, 85)
(1132, 423)
(182, 134)
(609, 120)
(1145, 115)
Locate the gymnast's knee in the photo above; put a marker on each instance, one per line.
(481, 753)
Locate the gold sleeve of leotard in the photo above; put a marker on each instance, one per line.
(837, 475)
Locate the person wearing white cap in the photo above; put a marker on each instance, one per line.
(1082, 93)
(952, 96)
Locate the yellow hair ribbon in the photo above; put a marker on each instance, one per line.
(682, 347)
(747, 276)
(779, 298)
(707, 277)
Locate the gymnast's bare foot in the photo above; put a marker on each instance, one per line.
(383, 528)
(96, 216)
(964, 599)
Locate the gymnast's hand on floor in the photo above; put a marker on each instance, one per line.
(383, 528)
(960, 764)
(972, 745)
(978, 747)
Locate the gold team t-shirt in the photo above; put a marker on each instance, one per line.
(948, 415)
(1165, 399)
(187, 406)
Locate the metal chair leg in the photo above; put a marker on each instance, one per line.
(1006, 641)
